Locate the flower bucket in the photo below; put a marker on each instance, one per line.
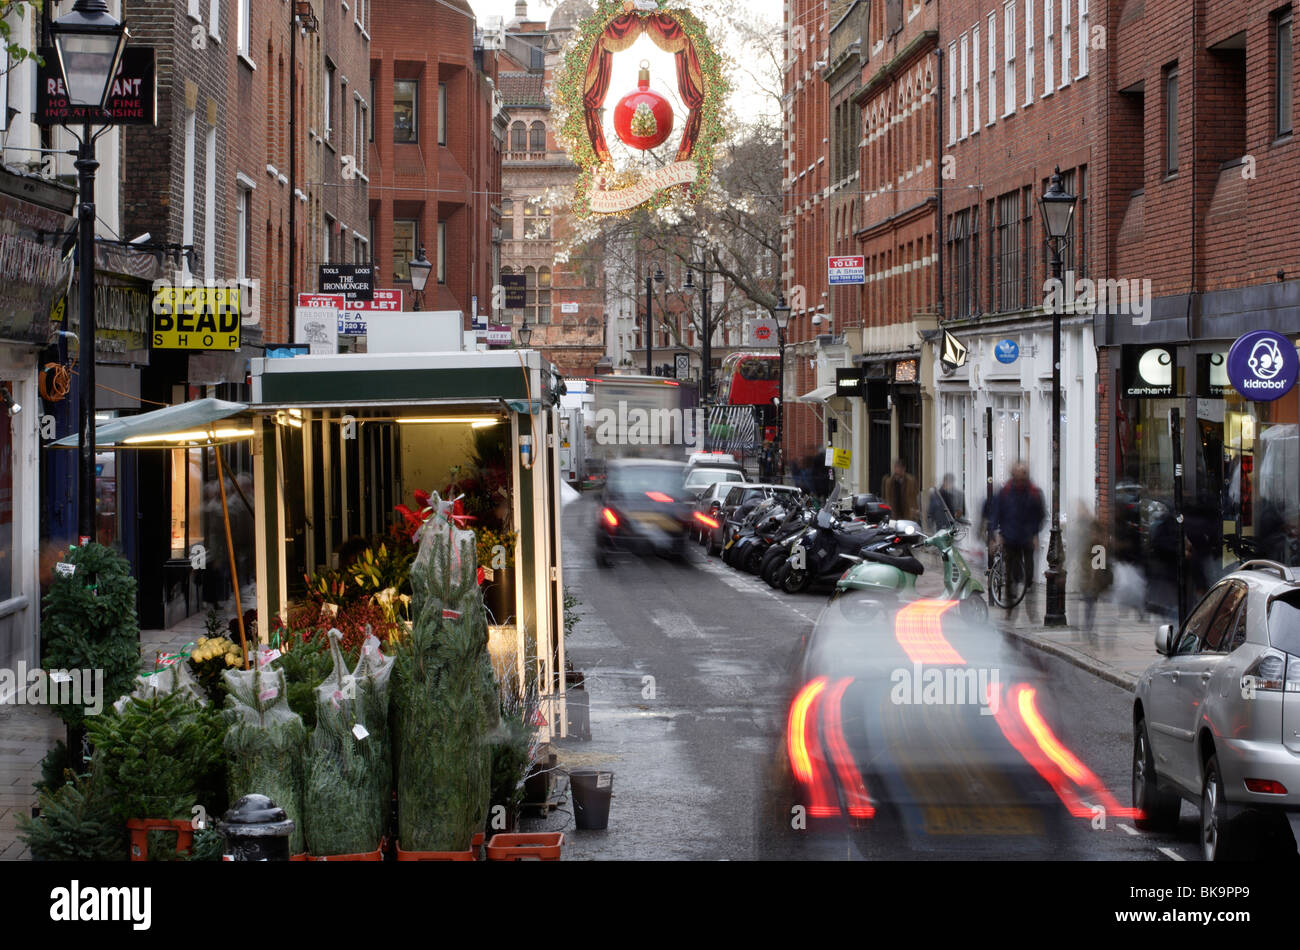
(140, 828)
(541, 846)
(299, 857)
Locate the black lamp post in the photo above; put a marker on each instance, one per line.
(89, 43)
(650, 281)
(525, 334)
(1058, 214)
(782, 314)
(419, 269)
(706, 302)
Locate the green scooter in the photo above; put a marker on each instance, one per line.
(894, 574)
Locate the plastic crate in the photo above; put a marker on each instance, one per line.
(540, 846)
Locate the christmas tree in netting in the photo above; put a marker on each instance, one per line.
(444, 695)
(264, 742)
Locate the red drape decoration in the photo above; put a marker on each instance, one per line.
(620, 33)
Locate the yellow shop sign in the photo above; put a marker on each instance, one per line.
(196, 318)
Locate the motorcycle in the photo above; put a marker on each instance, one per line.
(751, 547)
(893, 571)
(818, 557)
(754, 521)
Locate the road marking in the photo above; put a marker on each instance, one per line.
(745, 584)
(1171, 854)
(1128, 830)
(678, 625)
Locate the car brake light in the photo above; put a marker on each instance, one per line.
(855, 790)
(1265, 786)
(659, 497)
(806, 760)
(705, 520)
(611, 519)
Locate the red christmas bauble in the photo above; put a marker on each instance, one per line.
(643, 118)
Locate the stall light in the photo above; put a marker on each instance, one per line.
(190, 436)
(462, 420)
(487, 424)
(282, 419)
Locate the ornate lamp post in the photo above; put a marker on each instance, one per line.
(782, 314)
(1058, 215)
(89, 42)
(420, 268)
(650, 281)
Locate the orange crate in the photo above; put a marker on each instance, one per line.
(376, 855)
(140, 828)
(469, 854)
(542, 846)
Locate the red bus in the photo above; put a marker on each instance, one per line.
(749, 379)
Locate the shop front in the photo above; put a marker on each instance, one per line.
(33, 273)
(1206, 425)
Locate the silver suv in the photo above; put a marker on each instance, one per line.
(1216, 720)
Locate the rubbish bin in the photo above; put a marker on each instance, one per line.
(592, 790)
(256, 829)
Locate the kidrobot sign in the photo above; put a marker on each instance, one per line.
(1263, 365)
(196, 318)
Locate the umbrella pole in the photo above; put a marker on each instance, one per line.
(230, 550)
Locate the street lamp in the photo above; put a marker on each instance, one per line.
(525, 334)
(706, 302)
(419, 269)
(89, 43)
(650, 281)
(1057, 207)
(782, 314)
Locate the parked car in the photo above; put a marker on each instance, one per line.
(709, 506)
(1216, 719)
(699, 478)
(643, 510)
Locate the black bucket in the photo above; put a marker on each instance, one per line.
(592, 790)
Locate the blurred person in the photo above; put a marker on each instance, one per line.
(216, 573)
(1092, 564)
(947, 504)
(1015, 522)
(898, 491)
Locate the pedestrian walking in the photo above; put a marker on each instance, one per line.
(947, 504)
(1092, 565)
(1017, 518)
(898, 491)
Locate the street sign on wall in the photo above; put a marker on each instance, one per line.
(196, 318)
(318, 327)
(353, 281)
(352, 319)
(846, 270)
(762, 332)
(516, 291)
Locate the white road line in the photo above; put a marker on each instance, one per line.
(747, 585)
(1171, 854)
(1128, 830)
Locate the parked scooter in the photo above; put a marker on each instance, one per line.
(760, 517)
(752, 543)
(892, 572)
(821, 555)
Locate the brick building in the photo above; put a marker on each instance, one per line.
(566, 304)
(434, 161)
(1202, 198)
(806, 234)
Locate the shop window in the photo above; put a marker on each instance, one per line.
(1009, 250)
(537, 137)
(507, 220)
(404, 238)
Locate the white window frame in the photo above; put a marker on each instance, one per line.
(975, 80)
(993, 67)
(210, 203)
(965, 85)
(442, 252)
(187, 197)
(952, 93)
(1085, 28)
(214, 19)
(243, 216)
(1030, 74)
(1067, 42)
(329, 239)
(1049, 47)
(194, 11)
(327, 102)
(1009, 57)
(244, 16)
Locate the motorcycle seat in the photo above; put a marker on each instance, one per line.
(908, 564)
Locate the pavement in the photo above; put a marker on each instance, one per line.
(1119, 648)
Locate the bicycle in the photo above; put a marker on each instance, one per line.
(1005, 590)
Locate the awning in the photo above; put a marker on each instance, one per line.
(819, 395)
(190, 421)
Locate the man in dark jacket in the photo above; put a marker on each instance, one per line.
(1017, 518)
(898, 491)
(947, 504)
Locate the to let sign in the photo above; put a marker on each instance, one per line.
(352, 317)
(132, 100)
(846, 270)
(353, 281)
(196, 318)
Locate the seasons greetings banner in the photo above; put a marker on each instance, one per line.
(643, 119)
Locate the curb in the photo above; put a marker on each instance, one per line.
(1127, 681)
